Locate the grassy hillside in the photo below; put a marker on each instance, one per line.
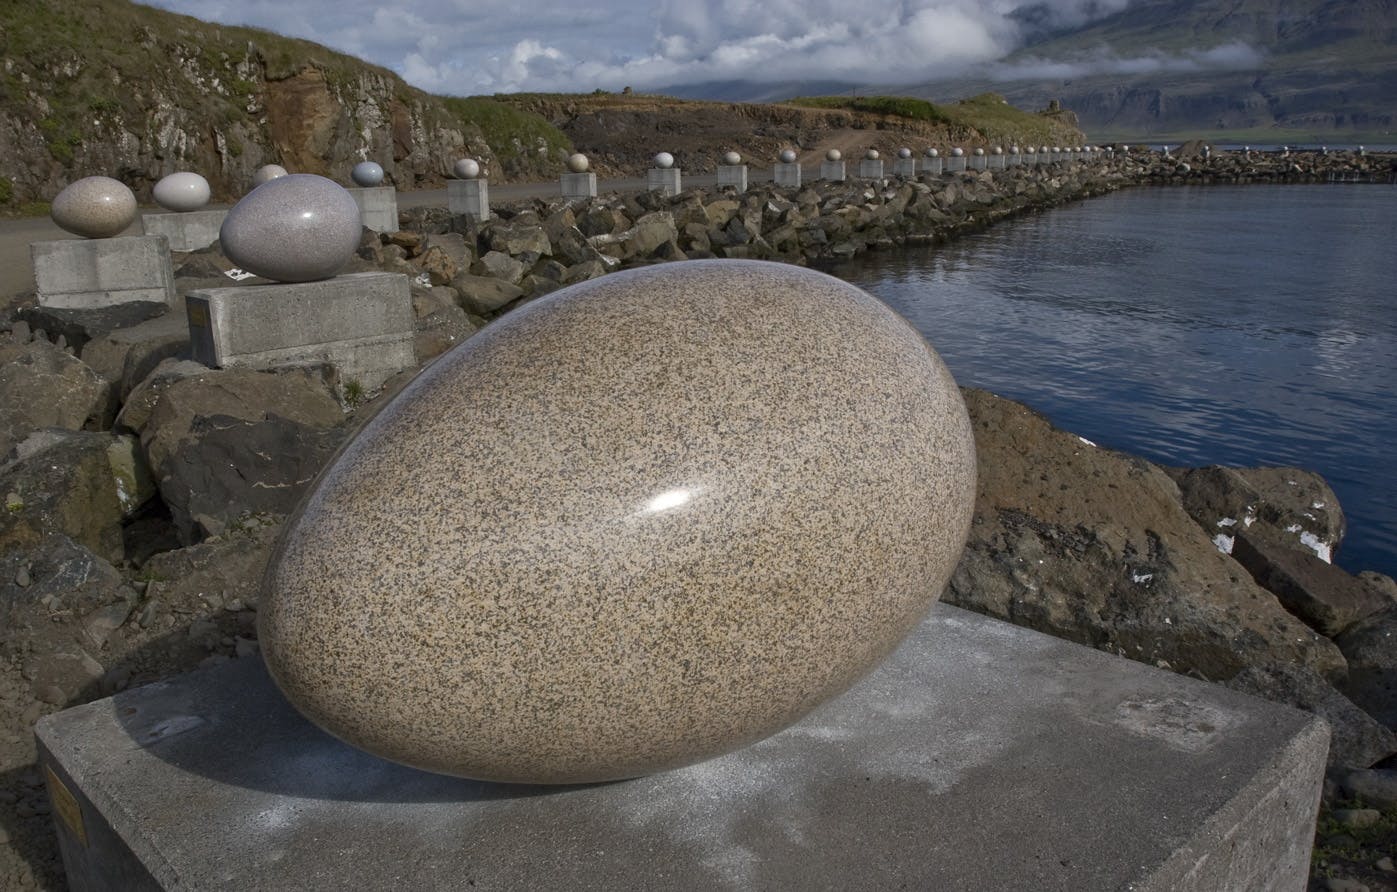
(988, 113)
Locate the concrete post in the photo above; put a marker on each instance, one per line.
(734, 175)
(579, 185)
(832, 171)
(469, 197)
(905, 168)
(187, 230)
(787, 174)
(871, 168)
(83, 274)
(665, 180)
(378, 206)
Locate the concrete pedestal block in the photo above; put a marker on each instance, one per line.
(978, 756)
(979, 162)
(734, 175)
(83, 274)
(905, 168)
(954, 164)
(1014, 160)
(786, 174)
(361, 323)
(832, 171)
(186, 231)
(871, 169)
(579, 185)
(469, 197)
(665, 180)
(378, 207)
(996, 162)
(934, 166)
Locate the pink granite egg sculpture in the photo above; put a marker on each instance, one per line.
(296, 228)
(642, 521)
(94, 207)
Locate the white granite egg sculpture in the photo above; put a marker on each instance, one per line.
(182, 192)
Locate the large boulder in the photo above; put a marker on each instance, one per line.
(42, 386)
(79, 326)
(1358, 739)
(1094, 546)
(1370, 647)
(1326, 597)
(226, 443)
(76, 483)
(1288, 507)
(483, 295)
(127, 355)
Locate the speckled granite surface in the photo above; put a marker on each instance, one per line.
(94, 207)
(642, 521)
(295, 228)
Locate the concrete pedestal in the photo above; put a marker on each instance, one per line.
(832, 171)
(361, 323)
(1015, 160)
(871, 169)
(579, 185)
(786, 174)
(469, 197)
(996, 162)
(734, 175)
(905, 168)
(979, 162)
(954, 164)
(378, 207)
(83, 274)
(665, 180)
(978, 756)
(933, 166)
(186, 231)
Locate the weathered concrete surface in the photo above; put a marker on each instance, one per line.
(362, 323)
(85, 273)
(469, 197)
(188, 230)
(378, 206)
(980, 756)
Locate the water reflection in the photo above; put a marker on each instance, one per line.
(1226, 325)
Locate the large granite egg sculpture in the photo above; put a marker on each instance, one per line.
(466, 169)
(904, 152)
(788, 156)
(367, 174)
(268, 172)
(94, 207)
(642, 521)
(182, 192)
(833, 155)
(296, 228)
(664, 160)
(578, 163)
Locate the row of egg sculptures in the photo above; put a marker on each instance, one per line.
(103, 207)
(619, 531)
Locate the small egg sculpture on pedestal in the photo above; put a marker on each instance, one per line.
(664, 177)
(578, 163)
(732, 158)
(871, 155)
(182, 192)
(579, 182)
(788, 156)
(834, 155)
(467, 169)
(732, 172)
(296, 228)
(957, 152)
(932, 153)
(266, 173)
(94, 207)
(367, 174)
(904, 152)
(657, 562)
(787, 172)
(469, 192)
(664, 160)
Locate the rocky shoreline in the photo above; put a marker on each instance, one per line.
(143, 492)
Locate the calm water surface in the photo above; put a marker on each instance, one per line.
(1195, 325)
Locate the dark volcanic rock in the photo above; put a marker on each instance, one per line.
(1326, 597)
(1095, 546)
(77, 327)
(1371, 650)
(1286, 506)
(42, 386)
(1358, 742)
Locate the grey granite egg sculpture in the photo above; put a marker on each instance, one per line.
(904, 152)
(268, 172)
(296, 228)
(788, 156)
(182, 192)
(466, 169)
(94, 207)
(732, 158)
(833, 155)
(664, 160)
(578, 163)
(367, 174)
(642, 521)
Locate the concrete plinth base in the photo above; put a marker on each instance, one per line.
(996, 162)
(786, 173)
(1015, 160)
(378, 207)
(832, 171)
(979, 756)
(871, 169)
(979, 162)
(933, 166)
(469, 197)
(954, 164)
(665, 180)
(83, 274)
(905, 168)
(579, 185)
(361, 323)
(186, 231)
(734, 175)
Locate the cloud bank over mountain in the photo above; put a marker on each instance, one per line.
(467, 47)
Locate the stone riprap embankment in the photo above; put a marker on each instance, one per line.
(142, 492)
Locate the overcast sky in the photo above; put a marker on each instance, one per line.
(466, 47)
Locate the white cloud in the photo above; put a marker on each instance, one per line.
(481, 46)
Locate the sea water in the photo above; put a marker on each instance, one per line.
(1247, 325)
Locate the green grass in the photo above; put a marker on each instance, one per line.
(896, 106)
(988, 115)
(515, 134)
